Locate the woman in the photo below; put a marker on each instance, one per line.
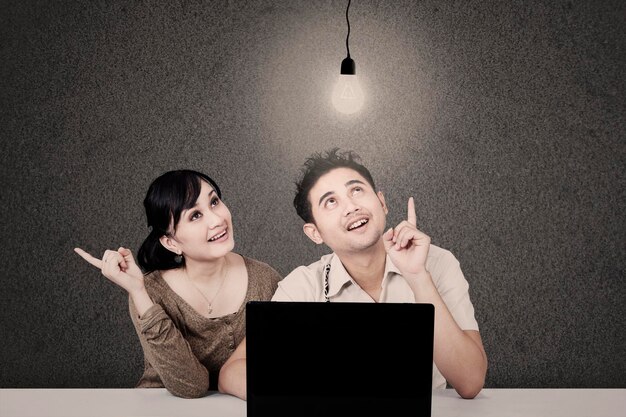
(189, 308)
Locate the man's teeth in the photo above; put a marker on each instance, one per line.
(357, 224)
(218, 236)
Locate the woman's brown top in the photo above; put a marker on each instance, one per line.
(183, 350)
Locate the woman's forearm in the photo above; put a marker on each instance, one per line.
(169, 353)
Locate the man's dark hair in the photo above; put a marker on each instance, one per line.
(318, 165)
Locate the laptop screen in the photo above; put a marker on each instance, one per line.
(339, 359)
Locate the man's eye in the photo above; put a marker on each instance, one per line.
(356, 190)
(215, 202)
(330, 202)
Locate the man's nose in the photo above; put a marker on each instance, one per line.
(351, 208)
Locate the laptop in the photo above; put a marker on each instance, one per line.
(339, 359)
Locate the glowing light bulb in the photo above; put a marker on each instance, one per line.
(348, 96)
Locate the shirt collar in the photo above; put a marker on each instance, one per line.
(339, 277)
(390, 268)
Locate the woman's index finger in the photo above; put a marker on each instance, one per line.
(92, 260)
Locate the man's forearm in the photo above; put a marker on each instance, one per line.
(233, 378)
(458, 354)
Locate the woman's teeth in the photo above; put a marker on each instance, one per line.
(218, 236)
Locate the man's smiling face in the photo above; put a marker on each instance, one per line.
(349, 214)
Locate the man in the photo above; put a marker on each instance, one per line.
(338, 201)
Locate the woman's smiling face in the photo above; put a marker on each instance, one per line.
(205, 231)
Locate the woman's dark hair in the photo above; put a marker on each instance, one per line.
(316, 166)
(168, 196)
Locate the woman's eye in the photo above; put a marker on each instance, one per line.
(196, 215)
(215, 202)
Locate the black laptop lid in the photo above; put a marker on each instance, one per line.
(339, 359)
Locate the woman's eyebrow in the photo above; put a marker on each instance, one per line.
(196, 203)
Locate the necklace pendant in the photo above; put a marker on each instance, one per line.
(210, 309)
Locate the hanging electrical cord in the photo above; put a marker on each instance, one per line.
(348, 37)
(347, 96)
(348, 67)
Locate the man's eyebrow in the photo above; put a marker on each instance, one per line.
(354, 182)
(349, 183)
(324, 196)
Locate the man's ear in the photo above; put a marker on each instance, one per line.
(170, 244)
(381, 197)
(311, 231)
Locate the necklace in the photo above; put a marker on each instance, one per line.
(209, 303)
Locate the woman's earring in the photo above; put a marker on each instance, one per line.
(178, 258)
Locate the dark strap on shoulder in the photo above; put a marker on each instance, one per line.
(326, 274)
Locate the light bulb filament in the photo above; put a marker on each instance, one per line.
(347, 93)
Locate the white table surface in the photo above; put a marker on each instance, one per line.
(155, 402)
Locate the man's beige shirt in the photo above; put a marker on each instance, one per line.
(306, 283)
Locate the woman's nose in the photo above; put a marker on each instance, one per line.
(213, 220)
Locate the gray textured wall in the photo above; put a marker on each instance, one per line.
(505, 120)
